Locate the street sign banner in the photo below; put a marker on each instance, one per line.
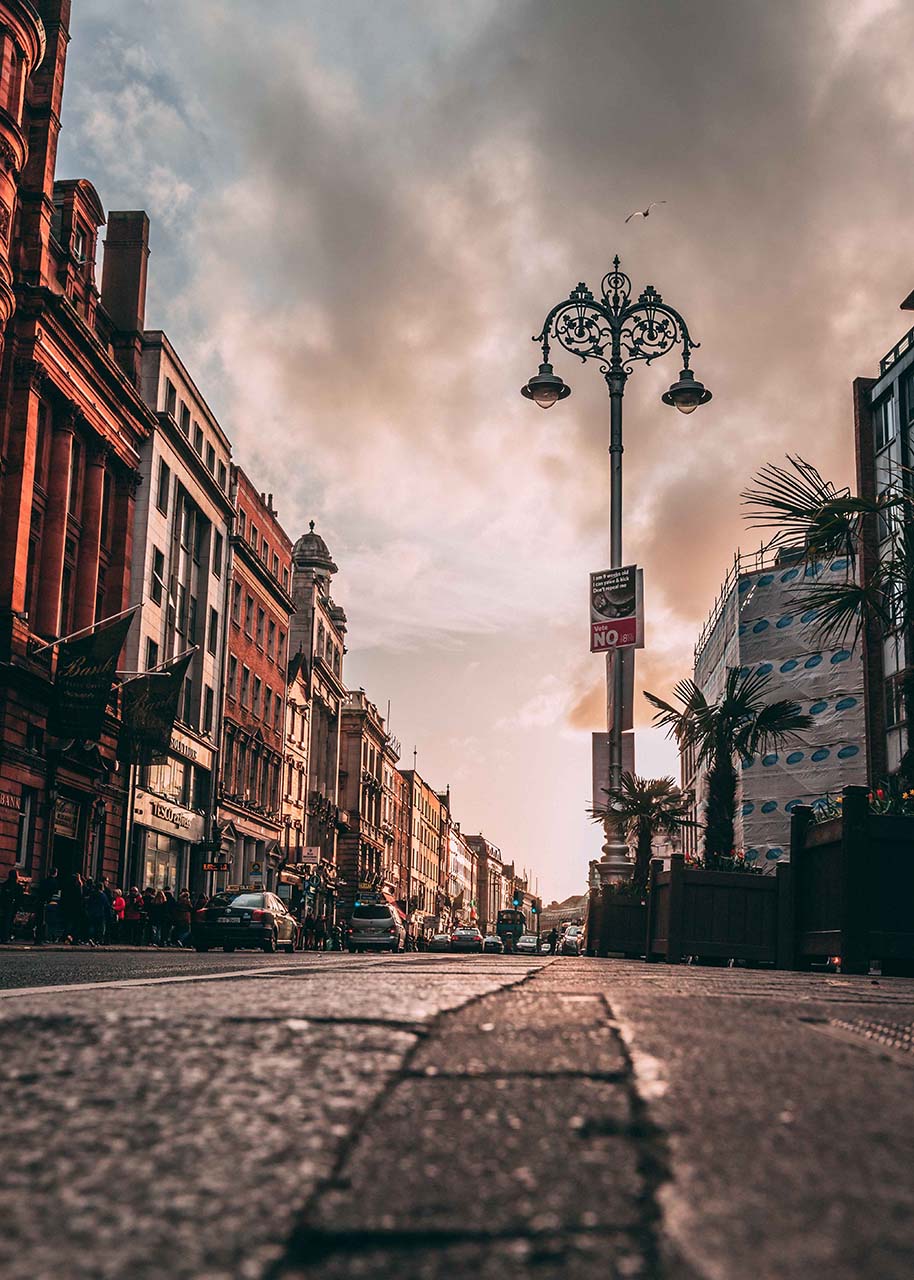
(614, 613)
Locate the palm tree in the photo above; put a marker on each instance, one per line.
(876, 536)
(738, 727)
(646, 807)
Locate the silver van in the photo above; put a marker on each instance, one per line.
(375, 926)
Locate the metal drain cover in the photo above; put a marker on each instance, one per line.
(897, 1037)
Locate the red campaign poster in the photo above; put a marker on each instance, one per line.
(614, 609)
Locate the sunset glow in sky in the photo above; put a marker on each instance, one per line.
(362, 211)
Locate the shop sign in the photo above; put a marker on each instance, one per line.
(182, 745)
(66, 818)
(164, 815)
(217, 866)
(9, 801)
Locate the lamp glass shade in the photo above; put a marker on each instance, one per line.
(687, 402)
(545, 396)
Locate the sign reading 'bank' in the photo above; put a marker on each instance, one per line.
(616, 609)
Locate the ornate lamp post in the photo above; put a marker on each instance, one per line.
(616, 332)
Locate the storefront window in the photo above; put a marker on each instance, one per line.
(165, 861)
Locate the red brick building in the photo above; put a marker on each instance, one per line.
(253, 732)
(71, 424)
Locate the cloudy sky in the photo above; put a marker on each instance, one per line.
(362, 209)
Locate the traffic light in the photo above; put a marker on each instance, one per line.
(534, 908)
(516, 900)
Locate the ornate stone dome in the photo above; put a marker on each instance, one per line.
(312, 552)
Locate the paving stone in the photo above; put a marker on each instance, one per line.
(545, 1051)
(491, 1156)
(549, 1257)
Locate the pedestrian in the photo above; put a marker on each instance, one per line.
(171, 921)
(552, 938)
(160, 917)
(183, 918)
(320, 933)
(200, 903)
(308, 931)
(46, 891)
(98, 913)
(118, 905)
(12, 895)
(73, 907)
(149, 897)
(135, 917)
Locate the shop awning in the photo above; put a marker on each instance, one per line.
(392, 902)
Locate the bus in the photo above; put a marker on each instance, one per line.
(509, 927)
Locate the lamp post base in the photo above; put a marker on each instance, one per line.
(615, 865)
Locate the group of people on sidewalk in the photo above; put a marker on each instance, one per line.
(82, 911)
(78, 910)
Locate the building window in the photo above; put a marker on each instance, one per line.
(152, 654)
(188, 716)
(236, 603)
(164, 486)
(232, 676)
(254, 536)
(271, 639)
(26, 831)
(210, 459)
(207, 725)
(267, 704)
(212, 638)
(185, 419)
(245, 686)
(249, 616)
(281, 647)
(157, 581)
(171, 397)
(276, 567)
(258, 685)
(265, 552)
(75, 467)
(285, 579)
(223, 476)
(277, 711)
(894, 702)
(883, 422)
(261, 619)
(241, 522)
(217, 554)
(198, 438)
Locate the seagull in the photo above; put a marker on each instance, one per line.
(644, 213)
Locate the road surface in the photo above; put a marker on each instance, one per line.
(433, 1116)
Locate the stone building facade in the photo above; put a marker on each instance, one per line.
(361, 843)
(183, 522)
(72, 425)
(490, 881)
(317, 644)
(253, 730)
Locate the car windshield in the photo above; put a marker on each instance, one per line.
(572, 931)
(371, 912)
(244, 900)
(467, 929)
(529, 937)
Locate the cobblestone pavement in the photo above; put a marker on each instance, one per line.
(430, 1116)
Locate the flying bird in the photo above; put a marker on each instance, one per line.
(644, 213)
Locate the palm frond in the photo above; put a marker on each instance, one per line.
(806, 509)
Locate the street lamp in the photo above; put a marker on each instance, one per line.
(616, 332)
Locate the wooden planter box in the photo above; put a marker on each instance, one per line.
(594, 922)
(853, 886)
(623, 925)
(718, 914)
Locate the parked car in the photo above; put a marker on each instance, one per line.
(376, 926)
(572, 941)
(492, 942)
(232, 920)
(440, 942)
(466, 938)
(527, 944)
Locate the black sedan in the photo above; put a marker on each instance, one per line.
(258, 920)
